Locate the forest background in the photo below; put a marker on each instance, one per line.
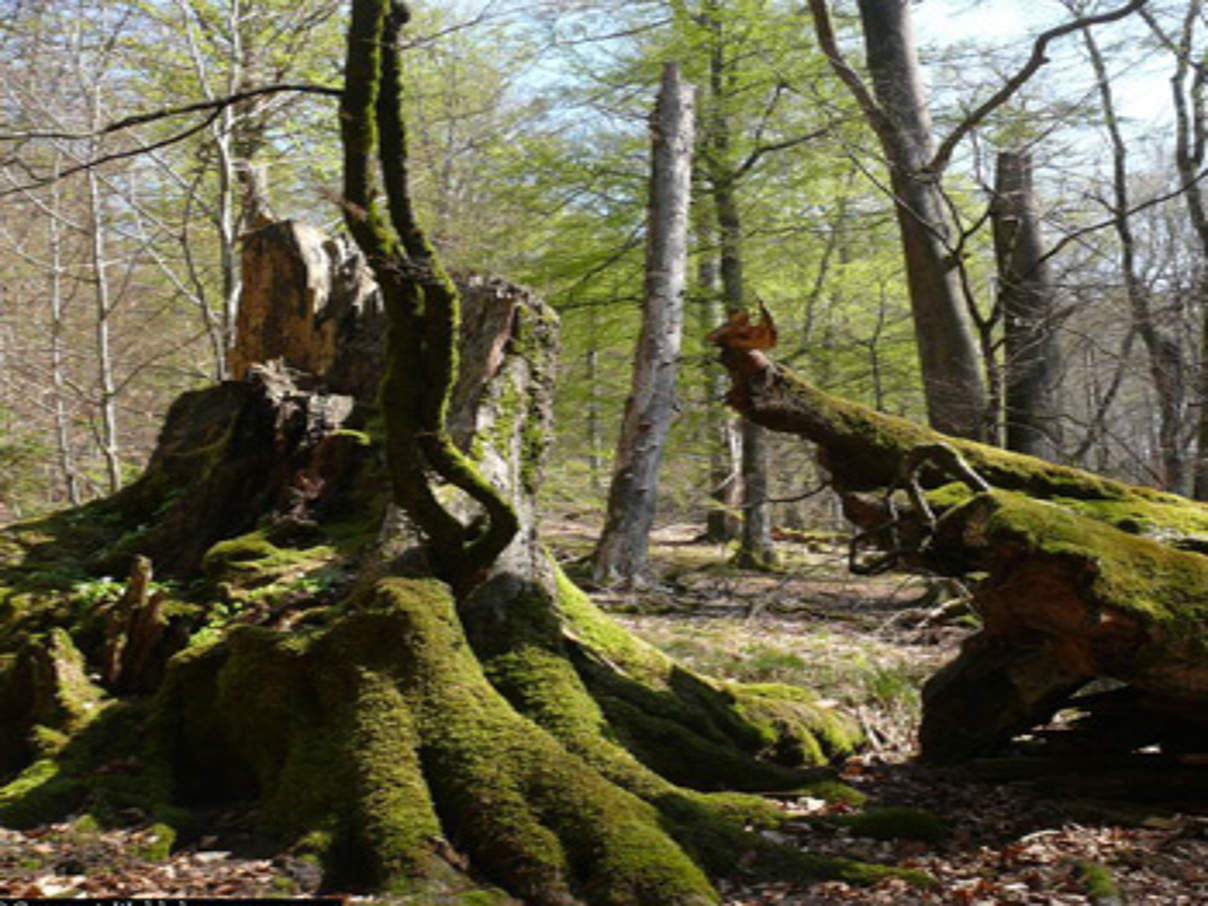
(119, 248)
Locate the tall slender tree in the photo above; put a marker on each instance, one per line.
(622, 549)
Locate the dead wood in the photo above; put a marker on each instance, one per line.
(1079, 577)
(134, 628)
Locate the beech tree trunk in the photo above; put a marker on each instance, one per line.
(1026, 297)
(722, 522)
(947, 352)
(620, 554)
(756, 549)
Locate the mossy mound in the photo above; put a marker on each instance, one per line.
(897, 823)
(381, 742)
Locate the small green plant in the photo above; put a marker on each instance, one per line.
(94, 592)
(1100, 884)
(892, 686)
(219, 614)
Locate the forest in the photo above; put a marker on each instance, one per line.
(660, 452)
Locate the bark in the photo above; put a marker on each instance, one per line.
(311, 301)
(896, 109)
(755, 548)
(58, 378)
(1026, 298)
(621, 552)
(1081, 578)
(106, 392)
(136, 649)
(725, 456)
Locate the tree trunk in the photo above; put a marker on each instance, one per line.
(621, 552)
(952, 382)
(1080, 577)
(725, 455)
(756, 549)
(1166, 364)
(58, 377)
(1026, 298)
(106, 392)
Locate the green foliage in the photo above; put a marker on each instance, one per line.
(1100, 883)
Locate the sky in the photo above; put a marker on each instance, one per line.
(1142, 89)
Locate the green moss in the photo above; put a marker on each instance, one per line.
(834, 791)
(155, 843)
(344, 732)
(252, 559)
(526, 659)
(1166, 589)
(897, 823)
(1100, 884)
(866, 447)
(39, 794)
(799, 729)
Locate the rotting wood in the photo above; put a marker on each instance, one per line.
(133, 629)
(1079, 577)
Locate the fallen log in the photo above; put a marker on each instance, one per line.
(1079, 577)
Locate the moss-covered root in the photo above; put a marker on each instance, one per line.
(379, 739)
(522, 647)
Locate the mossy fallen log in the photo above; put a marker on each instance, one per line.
(863, 450)
(1077, 577)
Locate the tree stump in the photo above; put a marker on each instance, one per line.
(403, 733)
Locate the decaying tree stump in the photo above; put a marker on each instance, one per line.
(1079, 578)
(407, 733)
(310, 300)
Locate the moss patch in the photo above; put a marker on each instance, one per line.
(1164, 588)
(897, 823)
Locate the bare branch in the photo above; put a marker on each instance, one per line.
(140, 119)
(1076, 235)
(1038, 58)
(215, 108)
(760, 150)
(825, 31)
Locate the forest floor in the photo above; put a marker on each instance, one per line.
(864, 642)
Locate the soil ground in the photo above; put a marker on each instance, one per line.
(864, 642)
